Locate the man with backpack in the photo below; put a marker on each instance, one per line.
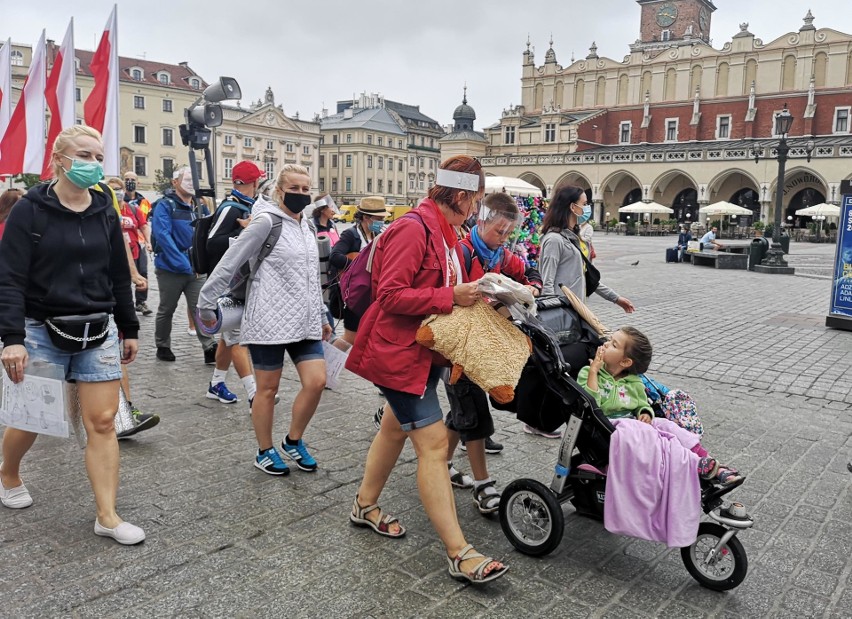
(172, 217)
(231, 218)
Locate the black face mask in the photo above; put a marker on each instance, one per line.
(130, 186)
(296, 202)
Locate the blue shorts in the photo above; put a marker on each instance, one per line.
(270, 357)
(96, 365)
(414, 411)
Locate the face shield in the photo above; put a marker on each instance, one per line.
(498, 223)
(328, 201)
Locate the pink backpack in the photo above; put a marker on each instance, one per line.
(356, 282)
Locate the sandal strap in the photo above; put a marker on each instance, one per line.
(480, 490)
(386, 521)
(468, 552)
(362, 511)
(477, 573)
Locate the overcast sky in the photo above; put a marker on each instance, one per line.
(319, 51)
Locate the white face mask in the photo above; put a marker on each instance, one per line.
(186, 185)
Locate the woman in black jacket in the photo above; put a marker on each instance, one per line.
(63, 276)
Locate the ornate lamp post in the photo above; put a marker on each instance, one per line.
(783, 122)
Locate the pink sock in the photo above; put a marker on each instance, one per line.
(698, 449)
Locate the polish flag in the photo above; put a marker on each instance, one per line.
(5, 86)
(22, 147)
(101, 107)
(60, 95)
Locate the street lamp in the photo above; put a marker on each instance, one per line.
(783, 122)
(818, 219)
(606, 223)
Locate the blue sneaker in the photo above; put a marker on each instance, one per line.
(220, 392)
(299, 454)
(270, 462)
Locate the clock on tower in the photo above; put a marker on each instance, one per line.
(668, 23)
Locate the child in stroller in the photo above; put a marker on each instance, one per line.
(531, 513)
(612, 378)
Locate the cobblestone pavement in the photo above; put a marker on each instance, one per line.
(773, 385)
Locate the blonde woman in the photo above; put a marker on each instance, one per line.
(284, 313)
(62, 255)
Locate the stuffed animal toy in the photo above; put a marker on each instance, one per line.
(480, 343)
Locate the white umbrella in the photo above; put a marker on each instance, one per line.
(724, 208)
(646, 207)
(513, 186)
(829, 210)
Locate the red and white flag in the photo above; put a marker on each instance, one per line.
(60, 96)
(101, 108)
(5, 86)
(22, 147)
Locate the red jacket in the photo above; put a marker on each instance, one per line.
(409, 272)
(510, 265)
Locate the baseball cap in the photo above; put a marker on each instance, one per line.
(246, 172)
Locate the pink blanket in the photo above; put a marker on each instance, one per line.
(652, 489)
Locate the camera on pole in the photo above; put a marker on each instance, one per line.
(201, 117)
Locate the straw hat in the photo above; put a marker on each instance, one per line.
(373, 205)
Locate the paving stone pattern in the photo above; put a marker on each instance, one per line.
(773, 385)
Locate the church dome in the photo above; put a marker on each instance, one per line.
(464, 115)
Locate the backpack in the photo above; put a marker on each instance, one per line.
(241, 283)
(356, 282)
(171, 206)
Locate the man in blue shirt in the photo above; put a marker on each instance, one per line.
(708, 241)
(171, 230)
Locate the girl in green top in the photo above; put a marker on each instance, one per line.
(612, 378)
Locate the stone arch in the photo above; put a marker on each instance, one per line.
(722, 73)
(600, 91)
(788, 72)
(534, 179)
(617, 190)
(716, 190)
(647, 82)
(685, 205)
(795, 180)
(573, 178)
(667, 187)
(623, 86)
(670, 86)
(538, 100)
(579, 93)
(559, 94)
(820, 68)
(695, 76)
(750, 75)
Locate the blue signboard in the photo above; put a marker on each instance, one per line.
(841, 292)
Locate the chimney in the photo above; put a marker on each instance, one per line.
(184, 64)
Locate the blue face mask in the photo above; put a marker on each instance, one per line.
(376, 226)
(84, 174)
(587, 214)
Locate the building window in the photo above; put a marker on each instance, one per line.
(168, 137)
(381, 185)
(322, 161)
(550, 132)
(270, 145)
(288, 147)
(422, 143)
(624, 132)
(431, 142)
(379, 142)
(348, 183)
(381, 162)
(334, 139)
(195, 83)
(666, 35)
(369, 161)
(723, 127)
(229, 166)
(138, 102)
(229, 139)
(349, 138)
(411, 160)
(167, 105)
(306, 150)
(334, 161)
(134, 73)
(421, 163)
(334, 184)
(399, 145)
(671, 129)
(17, 58)
(400, 163)
(163, 78)
(322, 184)
(269, 168)
(411, 183)
(199, 169)
(169, 167)
(139, 134)
(399, 187)
(322, 139)
(348, 161)
(140, 165)
(247, 143)
(431, 164)
(509, 137)
(369, 139)
(841, 120)
(369, 185)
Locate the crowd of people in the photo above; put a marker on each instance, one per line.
(262, 238)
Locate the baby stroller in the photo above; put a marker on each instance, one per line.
(548, 396)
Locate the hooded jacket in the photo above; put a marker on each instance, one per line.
(78, 267)
(284, 303)
(171, 226)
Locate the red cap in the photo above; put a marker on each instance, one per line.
(246, 172)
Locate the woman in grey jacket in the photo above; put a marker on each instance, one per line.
(284, 312)
(560, 261)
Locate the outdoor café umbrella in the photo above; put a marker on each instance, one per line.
(828, 210)
(646, 207)
(724, 208)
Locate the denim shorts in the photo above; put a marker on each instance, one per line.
(95, 365)
(414, 411)
(270, 357)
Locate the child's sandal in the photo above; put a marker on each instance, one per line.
(382, 526)
(480, 574)
(486, 502)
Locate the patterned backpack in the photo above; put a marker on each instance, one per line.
(679, 407)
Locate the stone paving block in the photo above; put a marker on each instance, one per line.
(803, 603)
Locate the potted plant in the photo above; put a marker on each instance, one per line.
(768, 230)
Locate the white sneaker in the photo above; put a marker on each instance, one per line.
(536, 432)
(15, 498)
(125, 533)
(191, 332)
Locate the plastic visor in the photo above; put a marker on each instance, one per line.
(488, 218)
(328, 201)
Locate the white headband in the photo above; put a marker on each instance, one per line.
(457, 180)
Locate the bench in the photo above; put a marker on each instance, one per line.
(720, 260)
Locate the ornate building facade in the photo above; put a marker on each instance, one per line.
(678, 121)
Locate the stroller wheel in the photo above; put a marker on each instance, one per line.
(531, 517)
(722, 572)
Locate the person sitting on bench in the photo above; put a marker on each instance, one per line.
(708, 241)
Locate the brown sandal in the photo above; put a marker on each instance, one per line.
(478, 575)
(359, 517)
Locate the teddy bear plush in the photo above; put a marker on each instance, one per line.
(480, 343)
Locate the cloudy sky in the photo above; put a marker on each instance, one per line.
(316, 52)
